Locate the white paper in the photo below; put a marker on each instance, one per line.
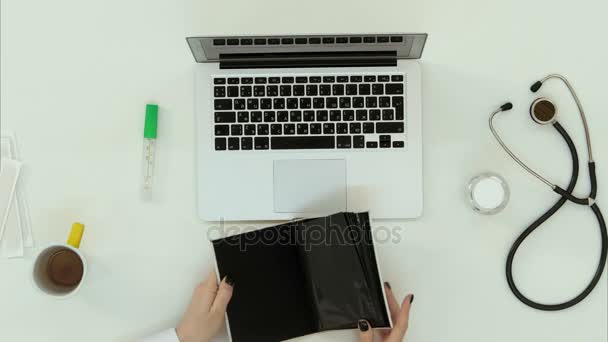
(8, 149)
(9, 174)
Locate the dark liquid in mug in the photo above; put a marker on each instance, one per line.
(65, 268)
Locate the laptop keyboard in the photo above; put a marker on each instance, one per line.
(309, 112)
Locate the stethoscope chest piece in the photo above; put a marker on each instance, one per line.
(543, 111)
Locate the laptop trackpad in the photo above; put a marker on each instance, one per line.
(310, 186)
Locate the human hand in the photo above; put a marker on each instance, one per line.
(205, 314)
(399, 315)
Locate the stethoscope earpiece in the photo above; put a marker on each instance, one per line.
(543, 111)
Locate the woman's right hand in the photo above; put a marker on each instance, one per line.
(399, 314)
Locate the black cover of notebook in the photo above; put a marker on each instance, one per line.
(302, 277)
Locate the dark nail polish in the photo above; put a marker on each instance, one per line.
(387, 284)
(229, 281)
(363, 326)
(412, 299)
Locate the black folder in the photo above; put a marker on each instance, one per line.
(302, 277)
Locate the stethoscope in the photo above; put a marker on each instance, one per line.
(543, 112)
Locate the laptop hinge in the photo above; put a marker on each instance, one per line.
(308, 60)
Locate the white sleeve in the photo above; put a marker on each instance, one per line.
(166, 336)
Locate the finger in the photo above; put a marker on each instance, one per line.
(404, 316)
(366, 334)
(223, 295)
(393, 306)
(206, 291)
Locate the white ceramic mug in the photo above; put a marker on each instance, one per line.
(60, 269)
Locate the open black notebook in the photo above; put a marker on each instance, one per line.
(302, 277)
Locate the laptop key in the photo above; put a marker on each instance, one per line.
(314, 79)
(315, 128)
(259, 91)
(383, 39)
(335, 115)
(383, 78)
(233, 91)
(329, 79)
(265, 103)
(358, 102)
(385, 101)
(309, 115)
(295, 116)
(263, 129)
(318, 102)
(324, 89)
(272, 90)
(260, 80)
(219, 42)
(369, 78)
(331, 102)
(368, 127)
(278, 103)
(378, 89)
(298, 90)
(343, 141)
(287, 79)
(259, 41)
(394, 88)
(345, 102)
(390, 127)
(289, 129)
(236, 129)
(342, 128)
(233, 80)
(239, 103)
(374, 114)
(301, 79)
(256, 116)
(274, 41)
(222, 130)
(371, 144)
(219, 91)
(338, 89)
(223, 104)
(219, 81)
(397, 78)
(269, 116)
(282, 116)
(233, 42)
(351, 89)
(355, 127)
(356, 79)
(371, 102)
(329, 128)
(253, 104)
(305, 142)
(364, 89)
(361, 115)
(246, 143)
(276, 129)
(249, 129)
(246, 41)
(302, 128)
(398, 144)
(292, 103)
(348, 115)
(285, 90)
(223, 117)
(274, 80)
(233, 144)
(321, 115)
(388, 114)
(243, 117)
(342, 79)
(220, 144)
(311, 90)
(305, 102)
(247, 80)
(358, 141)
(261, 143)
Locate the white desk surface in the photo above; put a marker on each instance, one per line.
(77, 74)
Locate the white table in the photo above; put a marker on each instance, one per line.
(77, 74)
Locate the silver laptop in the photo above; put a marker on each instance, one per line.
(308, 125)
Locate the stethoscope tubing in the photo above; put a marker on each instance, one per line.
(565, 196)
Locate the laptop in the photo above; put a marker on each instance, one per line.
(296, 126)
